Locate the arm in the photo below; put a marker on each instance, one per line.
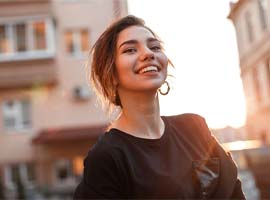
(101, 178)
(228, 166)
(237, 192)
(229, 185)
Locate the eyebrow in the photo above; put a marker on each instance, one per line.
(135, 41)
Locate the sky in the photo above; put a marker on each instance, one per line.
(200, 41)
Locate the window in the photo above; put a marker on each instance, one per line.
(16, 114)
(77, 42)
(27, 39)
(30, 172)
(15, 174)
(117, 8)
(262, 4)
(23, 172)
(257, 86)
(21, 42)
(78, 165)
(3, 40)
(240, 39)
(69, 42)
(249, 27)
(39, 36)
(267, 70)
(84, 36)
(63, 170)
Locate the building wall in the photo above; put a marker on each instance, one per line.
(51, 153)
(239, 18)
(53, 105)
(254, 58)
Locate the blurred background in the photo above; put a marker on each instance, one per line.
(50, 117)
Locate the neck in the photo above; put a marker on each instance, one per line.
(140, 116)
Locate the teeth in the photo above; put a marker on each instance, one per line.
(148, 69)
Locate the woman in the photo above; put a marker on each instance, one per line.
(144, 155)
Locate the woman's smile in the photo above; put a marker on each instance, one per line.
(140, 53)
(147, 69)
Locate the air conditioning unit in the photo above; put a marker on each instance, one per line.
(81, 92)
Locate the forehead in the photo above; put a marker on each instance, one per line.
(134, 33)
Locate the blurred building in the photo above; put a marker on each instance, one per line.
(234, 141)
(251, 22)
(229, 134)
(49, 117)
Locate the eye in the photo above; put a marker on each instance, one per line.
(155, 48)
(130, 50)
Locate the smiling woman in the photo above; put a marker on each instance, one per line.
(138, 156)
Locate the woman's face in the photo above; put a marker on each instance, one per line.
(141, 64)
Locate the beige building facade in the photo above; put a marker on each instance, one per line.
(252, 24)
(49, 115)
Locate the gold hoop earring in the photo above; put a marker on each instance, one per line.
(167, 91)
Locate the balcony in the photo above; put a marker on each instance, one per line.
(20, 8)
(27, 52)
(26, 39)
(27, 73)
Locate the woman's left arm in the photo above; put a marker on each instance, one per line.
(237, 192)
(228, 168)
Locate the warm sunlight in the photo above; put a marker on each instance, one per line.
(241, 145)
(203, 48)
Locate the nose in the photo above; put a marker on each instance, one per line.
(147, 54)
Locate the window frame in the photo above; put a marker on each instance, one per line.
(17, 114)
(263, 15)
(23, 174)
(249, 27)
(30, 53)
(68, 165)
(77, 42)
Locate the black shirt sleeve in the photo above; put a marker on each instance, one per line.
(237, 192)
(226, 160)
(197, 130)
(101, 178)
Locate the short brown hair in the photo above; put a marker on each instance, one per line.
(103, 70)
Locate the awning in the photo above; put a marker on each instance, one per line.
(69, 134)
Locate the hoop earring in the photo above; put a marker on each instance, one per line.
(167, 91)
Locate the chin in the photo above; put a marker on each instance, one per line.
(155, 87)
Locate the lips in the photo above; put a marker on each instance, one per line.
(146, 69)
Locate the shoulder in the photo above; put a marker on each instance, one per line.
(104, 145)
(188, 121)
(102, 158)
(191, 126)
(107, 148)
(187, 117)
(101, 170)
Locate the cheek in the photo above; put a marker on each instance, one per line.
(164, 61)
(121, 63)
(122, 69)
(119, 67)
